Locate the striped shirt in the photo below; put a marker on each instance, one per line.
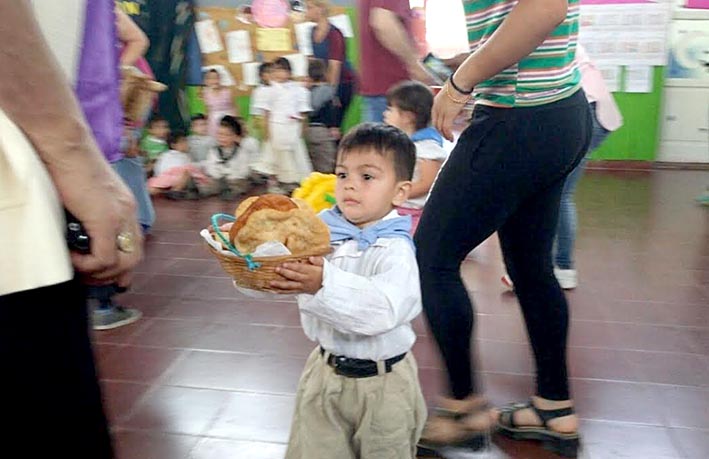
(548, 74)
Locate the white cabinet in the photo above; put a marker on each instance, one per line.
(685, 112)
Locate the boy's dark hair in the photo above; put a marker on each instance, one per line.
(316, 70)
(155, 119)
(263, 68)
(232, 123)
(282, 63)
(386, 140)
(198, 117)
(174, 137)
(414, 97)
(213, 71)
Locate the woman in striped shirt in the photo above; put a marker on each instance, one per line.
(530, 127)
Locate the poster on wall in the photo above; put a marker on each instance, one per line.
(625, 34)
(208, 37)
(689, 51)
(238, 44)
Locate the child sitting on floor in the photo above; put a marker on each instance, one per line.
(175, 175)
(155, 143)
(409, 108)
(229, 163)
(200, 141)
(357, 305)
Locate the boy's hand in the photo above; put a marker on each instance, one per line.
(300, 277)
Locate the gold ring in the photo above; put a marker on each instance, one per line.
(125, 242)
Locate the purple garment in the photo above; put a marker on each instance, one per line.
(98, 84)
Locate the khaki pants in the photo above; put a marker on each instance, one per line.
(321, 148)
(380, 417)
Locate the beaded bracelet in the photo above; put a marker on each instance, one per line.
(457, 101)
(455, 86)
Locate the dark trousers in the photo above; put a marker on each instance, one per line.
(505, 174)
(52, 401)
(345, 92)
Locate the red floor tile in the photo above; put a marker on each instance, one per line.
(137, 364)
(177, 410)
(211, 448)
(144, 445)
(617, 440)
(694, 444)
(120, 399)
(255, 417)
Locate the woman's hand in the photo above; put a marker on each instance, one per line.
(446, 107)
(107, 210)
(300, 277)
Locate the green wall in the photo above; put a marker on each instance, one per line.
(639, 137)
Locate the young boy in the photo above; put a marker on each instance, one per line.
(257, 97)
(285, 107)
(229, 163)
(322, 146)
(409, 108)
(155, 142)
(359, 395)
(199, 141)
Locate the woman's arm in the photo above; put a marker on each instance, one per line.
(529, 23)
(135, 41)
(37, 97)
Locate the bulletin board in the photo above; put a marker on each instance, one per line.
(227, 20)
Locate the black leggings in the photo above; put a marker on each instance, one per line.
(505, 174)
(52, 395)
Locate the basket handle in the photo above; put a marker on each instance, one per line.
(250, 263)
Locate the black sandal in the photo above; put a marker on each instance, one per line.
(563, 444)
(477, 441)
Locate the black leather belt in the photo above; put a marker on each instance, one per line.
(359, 368)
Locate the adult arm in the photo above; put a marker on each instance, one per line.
(391, 33)
(36, 96)
(135, 41)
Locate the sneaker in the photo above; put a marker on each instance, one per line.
(567, 278)
(114, 317)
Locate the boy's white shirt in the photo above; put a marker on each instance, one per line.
(367, 302)
(259, 97)
(170, 159)
(284, 102)
(238, 166)
(425, 150)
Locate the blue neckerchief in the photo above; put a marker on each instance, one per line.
(429, 133)
(342, 230)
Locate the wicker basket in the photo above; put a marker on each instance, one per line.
(253, 273)
(259, 278)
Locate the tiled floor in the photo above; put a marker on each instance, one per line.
(210, 374)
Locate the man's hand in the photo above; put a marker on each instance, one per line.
(300, 277)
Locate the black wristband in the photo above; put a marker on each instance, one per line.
(455, 86)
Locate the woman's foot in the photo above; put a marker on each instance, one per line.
(552, 422)
(455, 422)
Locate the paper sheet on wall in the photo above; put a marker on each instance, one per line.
(638, 78)
(299, 64)
(611, 76)
(273, 40)
(225, 75)
(238, 43)
(342, 22)
(249, 72)
(208, 37)
(629, 34)
(303, 35)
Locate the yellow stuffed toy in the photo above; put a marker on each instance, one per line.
(318, 190)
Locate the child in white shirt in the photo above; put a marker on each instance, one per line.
(258, 96)
(199, 140)
(284, 106)
(359, 395)
(409, 107)
(229, 163)
(174, 173)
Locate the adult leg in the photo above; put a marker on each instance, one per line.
(566, 230)
(49, 374)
